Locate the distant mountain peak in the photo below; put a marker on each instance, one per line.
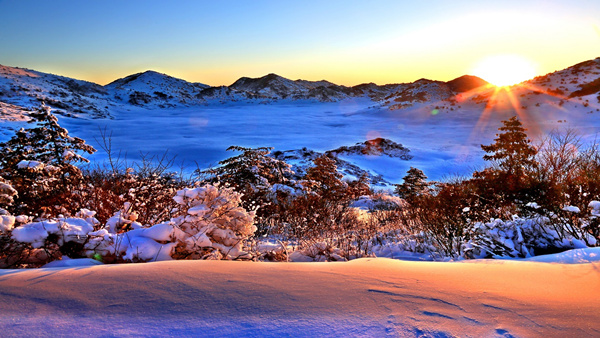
(466, 83)
(148, 76)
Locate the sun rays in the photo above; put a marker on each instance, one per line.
(510, 100)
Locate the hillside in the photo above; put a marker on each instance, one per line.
(273, 86)
(27, 88)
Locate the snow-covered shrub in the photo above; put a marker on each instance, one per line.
(400, 242)
(7, 222)
(147, 186)
(25, 243)
(592, 224)
(212, 221)
(123, 220)
(211, 224)
(138, 245)
(378, 202)
(521, 237)
(7, 194)
(318, 252)
(64, 229)
(441, 217)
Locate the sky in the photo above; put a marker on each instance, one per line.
(344, 41)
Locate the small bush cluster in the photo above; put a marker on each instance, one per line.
(531, 199)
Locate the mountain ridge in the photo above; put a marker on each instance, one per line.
(25, 88)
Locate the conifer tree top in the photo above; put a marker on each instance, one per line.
(511, 149)
(47, 142)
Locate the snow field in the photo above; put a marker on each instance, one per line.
(365, 297)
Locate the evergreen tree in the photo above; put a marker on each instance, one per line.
(415, 184)
(40, 162)
(512, 150)
(250, 171)
(508, 181)
(253, 174)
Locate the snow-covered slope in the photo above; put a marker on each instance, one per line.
(223, 94)
(26, 89)
(556, 95)
(420, 91)
(365, 297)
(575, 81)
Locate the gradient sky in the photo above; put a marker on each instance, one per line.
(347, 42)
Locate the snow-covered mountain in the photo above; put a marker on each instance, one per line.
(27, 89)
(151, 88)
(273, 86)
(224, 94)
(420, 91)
(574, 88)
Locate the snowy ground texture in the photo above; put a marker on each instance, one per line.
(366, 297)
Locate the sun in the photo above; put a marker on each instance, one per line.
(505, 70)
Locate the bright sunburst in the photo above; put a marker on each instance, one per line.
(505, 70)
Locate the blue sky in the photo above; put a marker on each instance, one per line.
(347, 42)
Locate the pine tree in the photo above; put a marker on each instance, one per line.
(512, 150)
(415, 184)
(508, 181)
(253, 174)
(251, 170)
(41, 162)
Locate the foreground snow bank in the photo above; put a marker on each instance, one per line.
(364, 297)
